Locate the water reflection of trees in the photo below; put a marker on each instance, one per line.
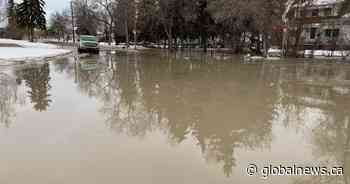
(325, 88)
(196, 98)
(205, 99)
(37, 80)
(9, 97)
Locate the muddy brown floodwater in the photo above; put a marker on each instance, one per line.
(151, 118)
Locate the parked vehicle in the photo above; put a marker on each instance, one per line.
(88, 43)
(274, 52)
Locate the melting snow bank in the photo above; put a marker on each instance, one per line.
(121, 47)
(28, 51)
(27, 44)
(327, 53)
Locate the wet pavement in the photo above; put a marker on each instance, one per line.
(156, 118)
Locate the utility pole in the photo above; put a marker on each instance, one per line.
(285, 20)
(73, 26)
(135, 24)
(285, 40)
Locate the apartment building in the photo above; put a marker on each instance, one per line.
(323, 27)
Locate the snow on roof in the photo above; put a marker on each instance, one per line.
(317, 3)
(325, 2)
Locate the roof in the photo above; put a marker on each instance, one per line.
(326, 2)
(318, 3)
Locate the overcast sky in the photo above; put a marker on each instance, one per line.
(56, 5)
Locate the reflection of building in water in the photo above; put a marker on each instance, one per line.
(314, 85)
(324, 89)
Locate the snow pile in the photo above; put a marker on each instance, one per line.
(274, 50)
(341, 90)
(121, 46)
(28, 51)
(18, 53)
(327, 53)
(24, 43)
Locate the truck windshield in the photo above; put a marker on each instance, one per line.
(88, 38)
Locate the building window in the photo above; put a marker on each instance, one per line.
(335, 33)
(313, 33)
(307, 30)
(328, 12)
(332, 33)
(314, 13)
(328, 33)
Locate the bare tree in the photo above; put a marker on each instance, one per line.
(60, 26)
(85, 17)
(104, 11)
(166, 16)
(124, 16)
(248, 22)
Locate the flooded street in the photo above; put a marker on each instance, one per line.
(151, 118)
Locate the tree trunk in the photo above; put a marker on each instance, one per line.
(297, 39)
(175, 43)
(204, 40)
(170, 40)
(182, 43)
(31, 34)
(126, 32)
(110, 32)
(285, 42)
(267, 43)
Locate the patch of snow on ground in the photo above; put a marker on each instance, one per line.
(341, 90)
(327, 53)
(27, 44)
(275, 50)
(121, 46)
(314, 101)
(28, 51)
(7, 53)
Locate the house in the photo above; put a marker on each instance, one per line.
(323, 27)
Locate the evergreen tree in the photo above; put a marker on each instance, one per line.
(12, 30)
(11, 11)
(31, 15)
